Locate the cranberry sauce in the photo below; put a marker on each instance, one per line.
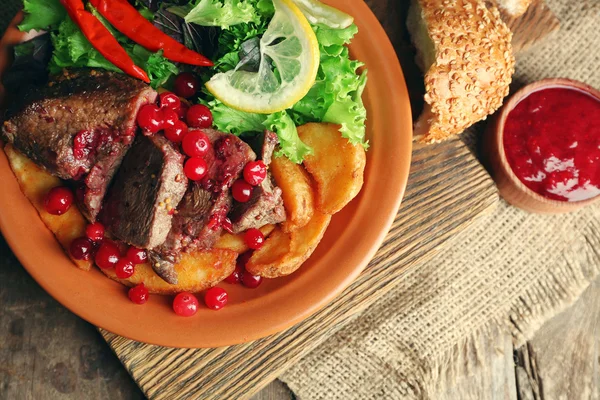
(552, 143)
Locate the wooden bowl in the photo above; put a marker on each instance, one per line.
(510, 186)
(349, 244)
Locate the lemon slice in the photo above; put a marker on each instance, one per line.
(289, 45)
(319, 13)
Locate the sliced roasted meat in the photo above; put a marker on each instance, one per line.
(266, 204)
(79, 127)
(141, 202)
(204, 208)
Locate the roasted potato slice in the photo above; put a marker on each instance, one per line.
(337, 166)
(196, 271)
(283, 253)
(35, 182)
(229, 241)
(298, 193)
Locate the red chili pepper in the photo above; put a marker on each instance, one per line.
(102, 39)
(127, 20)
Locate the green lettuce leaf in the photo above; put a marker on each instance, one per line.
(336, 95)
(73, 50)
(289, 142)
(227, 119)
(222, 13)
(42, 14)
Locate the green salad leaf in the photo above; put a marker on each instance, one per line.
(73, 50)
(222, 13)
(335, 97)
(42, 14)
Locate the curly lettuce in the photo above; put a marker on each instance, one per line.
(222, 13)
(42, 14)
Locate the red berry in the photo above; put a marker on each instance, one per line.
(196, 144)
(81, 248)
(177, 132)
(254, 238)
(215, 298)
(170, 117)
(241, 191)
(199, 116)
(186, 85)
(249, 280)
(136, 256)
(182, 110)
(170, 100)
(150, 118)
(195, 168)
(235, 276)
(124, 268)
(107, 255)
(138, 294)
(58, 200)
(95, 232)
(255, 172)
(185, 304)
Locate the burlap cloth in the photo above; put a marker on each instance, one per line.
(511, 269)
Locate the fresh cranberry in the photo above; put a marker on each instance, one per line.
(196, 144)
(249, 280)
(108, 255)
(185, 304)
(138, 294)
(254, 238)
(124, 268)
(176, 132)
(58, 200)
(136, 256)
(215, 298)
(241, 191)
(170, 117)
(235, 275)
(195, 168)
(170, 100)
(186, 85)
(199, 116)
(255, 172)
(81, 248)
(150, 118)
(182, 110)
(95, 232)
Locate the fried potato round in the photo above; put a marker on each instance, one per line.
(35, 183)
(298, 193)
(229, 241)
(196, 271)
(337, 166)
(283, 253)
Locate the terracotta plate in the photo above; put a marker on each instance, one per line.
(350, 242)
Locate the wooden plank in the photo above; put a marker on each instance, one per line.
(561, 360)
(533, 26)
(487, 370)
(439, 203)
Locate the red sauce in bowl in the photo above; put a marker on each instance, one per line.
(552, 143)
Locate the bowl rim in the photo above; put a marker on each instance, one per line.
(391, 114)
(515, 99)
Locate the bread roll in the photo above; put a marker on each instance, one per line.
(515, 8)
(465, 50)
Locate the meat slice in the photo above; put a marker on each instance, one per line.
(79, 127)
(204, 208)
(150, 183)
(266, 204)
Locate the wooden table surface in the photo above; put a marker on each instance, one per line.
(47, 352)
